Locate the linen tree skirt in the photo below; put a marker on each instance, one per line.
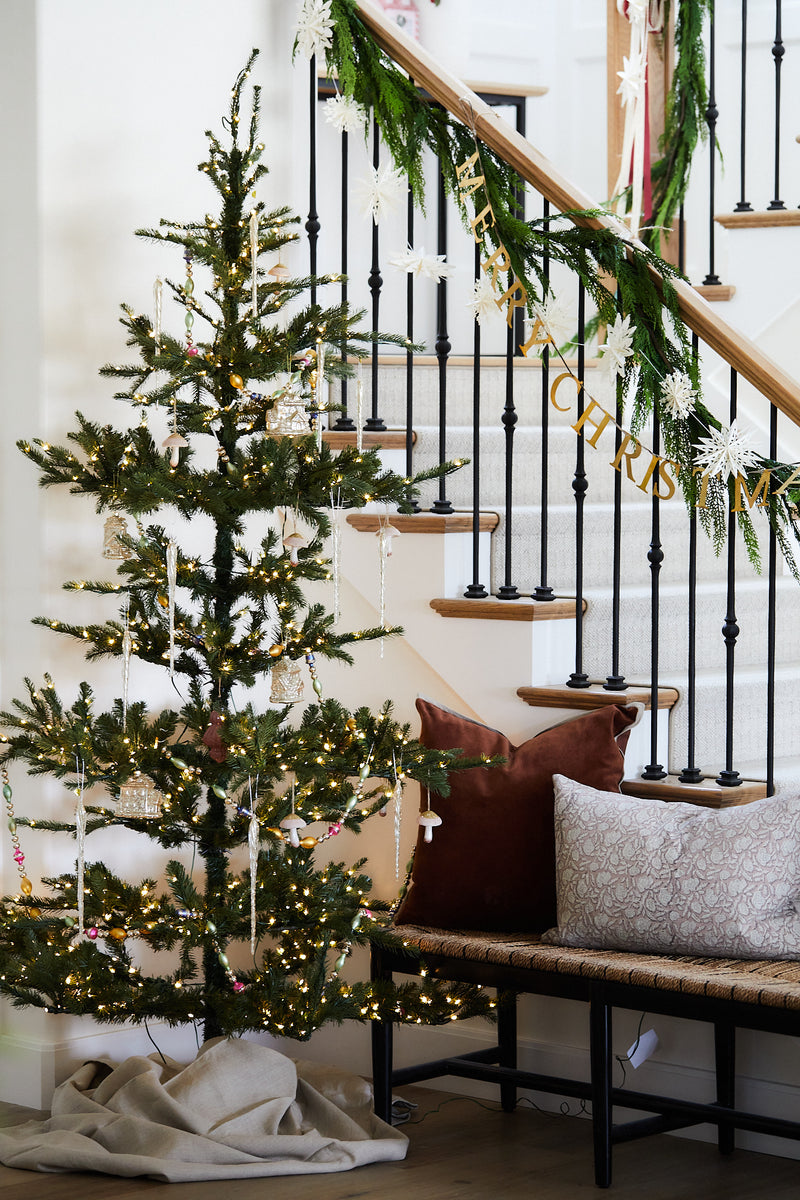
(239, 1110)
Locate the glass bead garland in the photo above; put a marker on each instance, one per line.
(25, 885)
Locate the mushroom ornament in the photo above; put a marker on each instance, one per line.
(429, 820)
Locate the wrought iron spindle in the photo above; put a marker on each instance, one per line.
(691, 773)
(543, 591)
(476, 590)
(508, 589)
(730, 630)
(312, 224)
(343, 421)
(771, 615)
(778, 52)
(578, 678)
(712, 112)
(442, 504)
(374, 421)
(743, 205)
(655, 556)
(616, 682)
(410, 354)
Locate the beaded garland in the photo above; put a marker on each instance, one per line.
(25, 885)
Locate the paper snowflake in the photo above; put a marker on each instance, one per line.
(314, 28)
(381, 191)
(726, 452)
(618, 347)
(631, 78)
(484, 301)
(345, 114)
(417, 262)
(677, 395)
(555, 315)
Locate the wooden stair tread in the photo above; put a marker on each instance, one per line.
(759, 220)
(423, 522)
(389, 439)
(716, 291)
(707, 794)
(492, 609)
(594, 696)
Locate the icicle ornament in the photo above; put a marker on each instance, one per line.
(397, 799)
(254, 261)
(172, 584)
(359, 411)
(319, 391)
(80, 838)
(336, 557)
(127, 649)
(158, 293)
(253, 839)
(386, 534)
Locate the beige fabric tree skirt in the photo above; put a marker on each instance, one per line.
(239, 1110)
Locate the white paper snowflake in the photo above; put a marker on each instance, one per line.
(345, 114)
(314, 27)
(381, 191)
(677, 395)
(618, 346)
(556, 316)
(631, 78)
(417, 262)
(726, 452)
(484, 302)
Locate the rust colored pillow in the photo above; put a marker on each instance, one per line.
(491, 864)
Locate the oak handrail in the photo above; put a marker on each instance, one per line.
(734, 347)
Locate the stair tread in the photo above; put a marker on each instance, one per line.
(707, 794)
(595, 696)
(422, 522)
(522, 609)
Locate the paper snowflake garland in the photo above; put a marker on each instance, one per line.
(381, 191)
(345, 114)
(556, 317)
(418, 263)
(484, 301)
(726, 452)
(618, 347)
(631, 78)
(677, 395)
(314, 28)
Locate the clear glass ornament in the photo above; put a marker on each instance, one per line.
(112, 546)
(288, 416)
(286, 680)
(139, 799)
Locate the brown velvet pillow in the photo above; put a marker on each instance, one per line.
(491, 864)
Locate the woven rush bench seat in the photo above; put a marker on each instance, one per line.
(728, 993)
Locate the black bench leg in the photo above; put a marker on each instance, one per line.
(600, 1058)
(725, 1056)
(382, 1039)
(507, 1045)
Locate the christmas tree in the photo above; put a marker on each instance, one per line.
(240, 795)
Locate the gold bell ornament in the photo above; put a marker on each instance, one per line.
(112, 546)
(286, 682)
(139, 800)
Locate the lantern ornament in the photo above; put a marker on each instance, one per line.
(139, 799)
(112, 546)
(286, 680)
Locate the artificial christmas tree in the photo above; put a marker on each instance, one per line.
(226, 780)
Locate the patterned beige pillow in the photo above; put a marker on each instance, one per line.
(644, 875)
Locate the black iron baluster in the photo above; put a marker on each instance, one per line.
(778, 52)
(772, 616)
(655, 556)
(712, 112)
(691, 773)
(616, 682)
(442, 504)
(476, 590)
(409, 354)
(374, 421)
(743, 205)
(543, 591)
(578, 678)
(312, 224)
(681, 241)
(508, 590)
(730, 630)
(343, 421)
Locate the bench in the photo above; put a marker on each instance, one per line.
(728, 993)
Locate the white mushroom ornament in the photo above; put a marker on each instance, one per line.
(429, 820)
(292, 823)
(174, 443)
(293, 542)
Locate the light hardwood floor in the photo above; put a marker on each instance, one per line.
(459, 1149)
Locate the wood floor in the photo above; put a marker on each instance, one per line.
(459, 1149)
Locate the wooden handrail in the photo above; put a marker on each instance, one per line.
(734, 347)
